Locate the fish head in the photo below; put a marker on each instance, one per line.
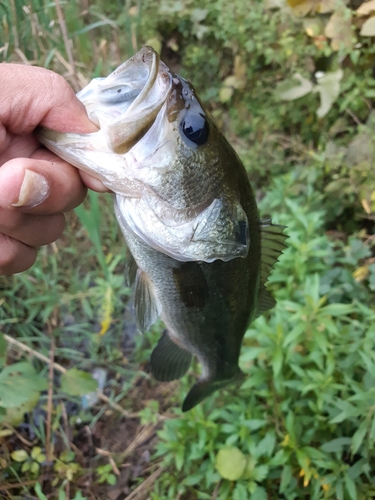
(176, 177)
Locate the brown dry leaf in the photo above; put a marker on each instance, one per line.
(366, 8)
(303, 7)
(339, 30)
(239, 72)
(273, 4)
(326, 6)
(296, 3)
(368, 27)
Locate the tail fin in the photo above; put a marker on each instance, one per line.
(204, 388)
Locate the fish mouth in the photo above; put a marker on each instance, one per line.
(125, 103)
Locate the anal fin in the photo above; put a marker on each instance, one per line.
(168, 360)
(146, 304)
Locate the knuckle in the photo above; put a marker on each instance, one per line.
(14, 256)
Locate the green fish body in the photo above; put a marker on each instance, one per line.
(200, 253)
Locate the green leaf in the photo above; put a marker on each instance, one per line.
(260, 473)
(338, 309)
(111, 479)
(267, 444)
(336, 445)
(77, 382)
(259, 494)
(277, 361)
(239, 492)
(78, 496)
(19, 455)
(34, 468)
(3, 350)
(359, 436)
(286, 478)
(38, 491)
(14, 416)
(350, 487)
(20, 383)
(231, 463)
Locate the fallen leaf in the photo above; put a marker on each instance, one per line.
(326, 6)
(368, 27)
(339, 30)
(303, 7)
(328, 87)
(286, 91)
(366, 8)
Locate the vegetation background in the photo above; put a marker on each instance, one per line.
(291, 84)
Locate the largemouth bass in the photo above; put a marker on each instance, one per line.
(200, 253)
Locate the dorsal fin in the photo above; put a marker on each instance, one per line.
(272, 244)
(146, 304)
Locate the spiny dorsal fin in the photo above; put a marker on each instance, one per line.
(147, 306)
(272, 244)
(168, 360)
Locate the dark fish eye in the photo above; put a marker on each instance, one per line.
(195, 128)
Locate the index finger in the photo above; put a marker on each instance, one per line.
(42, 98)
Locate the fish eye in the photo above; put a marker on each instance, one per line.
(195, 128)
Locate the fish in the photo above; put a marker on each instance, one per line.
(199, 253)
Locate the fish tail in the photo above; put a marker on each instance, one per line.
(204, 388)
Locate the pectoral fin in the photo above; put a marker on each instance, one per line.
(130, 269)
(168, 360)
(147, 305)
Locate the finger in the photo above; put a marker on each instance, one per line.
(44, 184)
(42, 98)
(32, 230)
(93, 183)
(15, 257)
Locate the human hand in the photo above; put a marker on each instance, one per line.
(36, 186)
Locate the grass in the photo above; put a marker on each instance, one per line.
(302, 424)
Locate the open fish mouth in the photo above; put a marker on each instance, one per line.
(138, 86)
(124, 105)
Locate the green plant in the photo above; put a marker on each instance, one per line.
(105, 474)
(301, 425)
